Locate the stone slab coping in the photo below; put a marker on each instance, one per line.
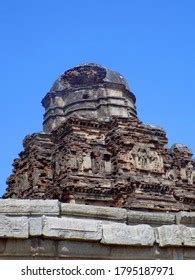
(38, 207)
(28, 207)
(134, 217)
(96, 212)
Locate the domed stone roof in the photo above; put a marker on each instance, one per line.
(91, 91)
(86, 75)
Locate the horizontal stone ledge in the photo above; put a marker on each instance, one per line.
(28, 207)
(155, 219)
(187, 218)
(175, 235)
(70, 228)
(97, 212)
(120, 234)
(13, 227)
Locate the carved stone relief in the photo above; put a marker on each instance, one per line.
(79, 161)
(143, 157)
(72, 163)
(100, 162)
(189, 173)
(86, 163)
(96, 162)
(170, 175)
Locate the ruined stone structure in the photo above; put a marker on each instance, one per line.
(94, 150)
(97, 183)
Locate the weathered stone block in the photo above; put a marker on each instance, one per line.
(35, 226)
(29, 207)
(186, 218)
(188, 236)
(15, 227)
(175, 235)
(68, 228)
(169, 235)
(140, 235)
(97, 212)
(138, 217)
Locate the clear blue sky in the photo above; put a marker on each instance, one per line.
(152, 43)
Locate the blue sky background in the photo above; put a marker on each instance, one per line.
(152, 43)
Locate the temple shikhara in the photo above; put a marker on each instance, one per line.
(94, 150)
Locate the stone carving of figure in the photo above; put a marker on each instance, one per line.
(189, 171)
(142, 157)
(97, 163)
(79, 161)
(102, 165)
(155, 162)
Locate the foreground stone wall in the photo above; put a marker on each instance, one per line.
(48, 229)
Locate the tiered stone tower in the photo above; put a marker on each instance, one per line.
(94, 150)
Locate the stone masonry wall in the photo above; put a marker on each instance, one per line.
(48, 229)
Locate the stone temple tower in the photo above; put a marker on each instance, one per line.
(94, 150)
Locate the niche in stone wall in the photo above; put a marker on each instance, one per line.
(100, 162)
(95, 166)
(87, 163)
(107, 163)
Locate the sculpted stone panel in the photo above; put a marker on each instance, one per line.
(95, 162)
(79, 161)
(143, 157)
(86, 163)
(83, 162)
(98, 163)
(188, 173)
(72, 162)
